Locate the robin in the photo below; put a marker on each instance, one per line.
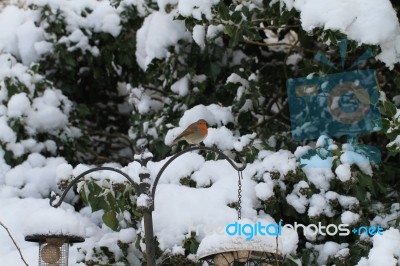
(194, 133)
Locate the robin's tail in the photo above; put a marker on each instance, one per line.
(176, 140)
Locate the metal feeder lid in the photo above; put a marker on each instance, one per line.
(41, 238)
(216, 243)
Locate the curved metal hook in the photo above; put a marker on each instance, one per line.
(76, 180)
(153, 190)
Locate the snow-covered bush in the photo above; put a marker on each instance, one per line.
(87, 49)
(35, 116)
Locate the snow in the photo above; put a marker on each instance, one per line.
(348, 202)
(63, 172)
(369, 22)
(18, 34)
(273, 38)
(104, 18)
(349, 217)
(222, 137)
(36, 111)
(140, 6)
(171, 230)
(281, 161)
(178, 250)
(293, 59)
(318, 205)
(6, 133)
(18, 105)
(213, 31)
(187, 164)
(218, 244)
(143, 201)
(327, 250)
(235, 78)
(196, 9)
(385, 250)
(142, 101)
(199, 35)
(34, 177)
(343, 172)
(264, 190)
(351, 157)
(54, 221)
(40, 218)
(296, 199)
(46, 116)
(22, 37)
(385, 220)
(181, 86)
(320, 177)
(219, 241)
(27, 35)
(24, 217)
(159, 31)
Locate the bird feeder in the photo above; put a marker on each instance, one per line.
(224, 250)
(53, 249)
(54, 229)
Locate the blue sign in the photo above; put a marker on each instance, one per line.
(339, 104)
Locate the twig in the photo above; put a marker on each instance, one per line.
(263, 19)
(269, 44)
(15, 244)
(277, 44)
(277, 27)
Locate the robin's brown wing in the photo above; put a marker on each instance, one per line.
(189, 130)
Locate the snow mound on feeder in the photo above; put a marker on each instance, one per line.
(54, 221)
(285, 244)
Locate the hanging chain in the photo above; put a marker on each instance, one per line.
(239, 207)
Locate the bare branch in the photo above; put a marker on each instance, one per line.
(15, 244)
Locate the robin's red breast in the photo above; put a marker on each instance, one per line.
(194, 133)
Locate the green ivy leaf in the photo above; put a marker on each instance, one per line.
(389, 109)
(96, 201)
(359, 193)
(366, 181)
(228, 30)
(385, 124)
(194, 245)
(236, 17)
(112, 202)
(224, 12)
(84, 198)
(82, 109)
(110, 219)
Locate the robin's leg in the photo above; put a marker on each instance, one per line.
(202, 152)
(201, 144)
